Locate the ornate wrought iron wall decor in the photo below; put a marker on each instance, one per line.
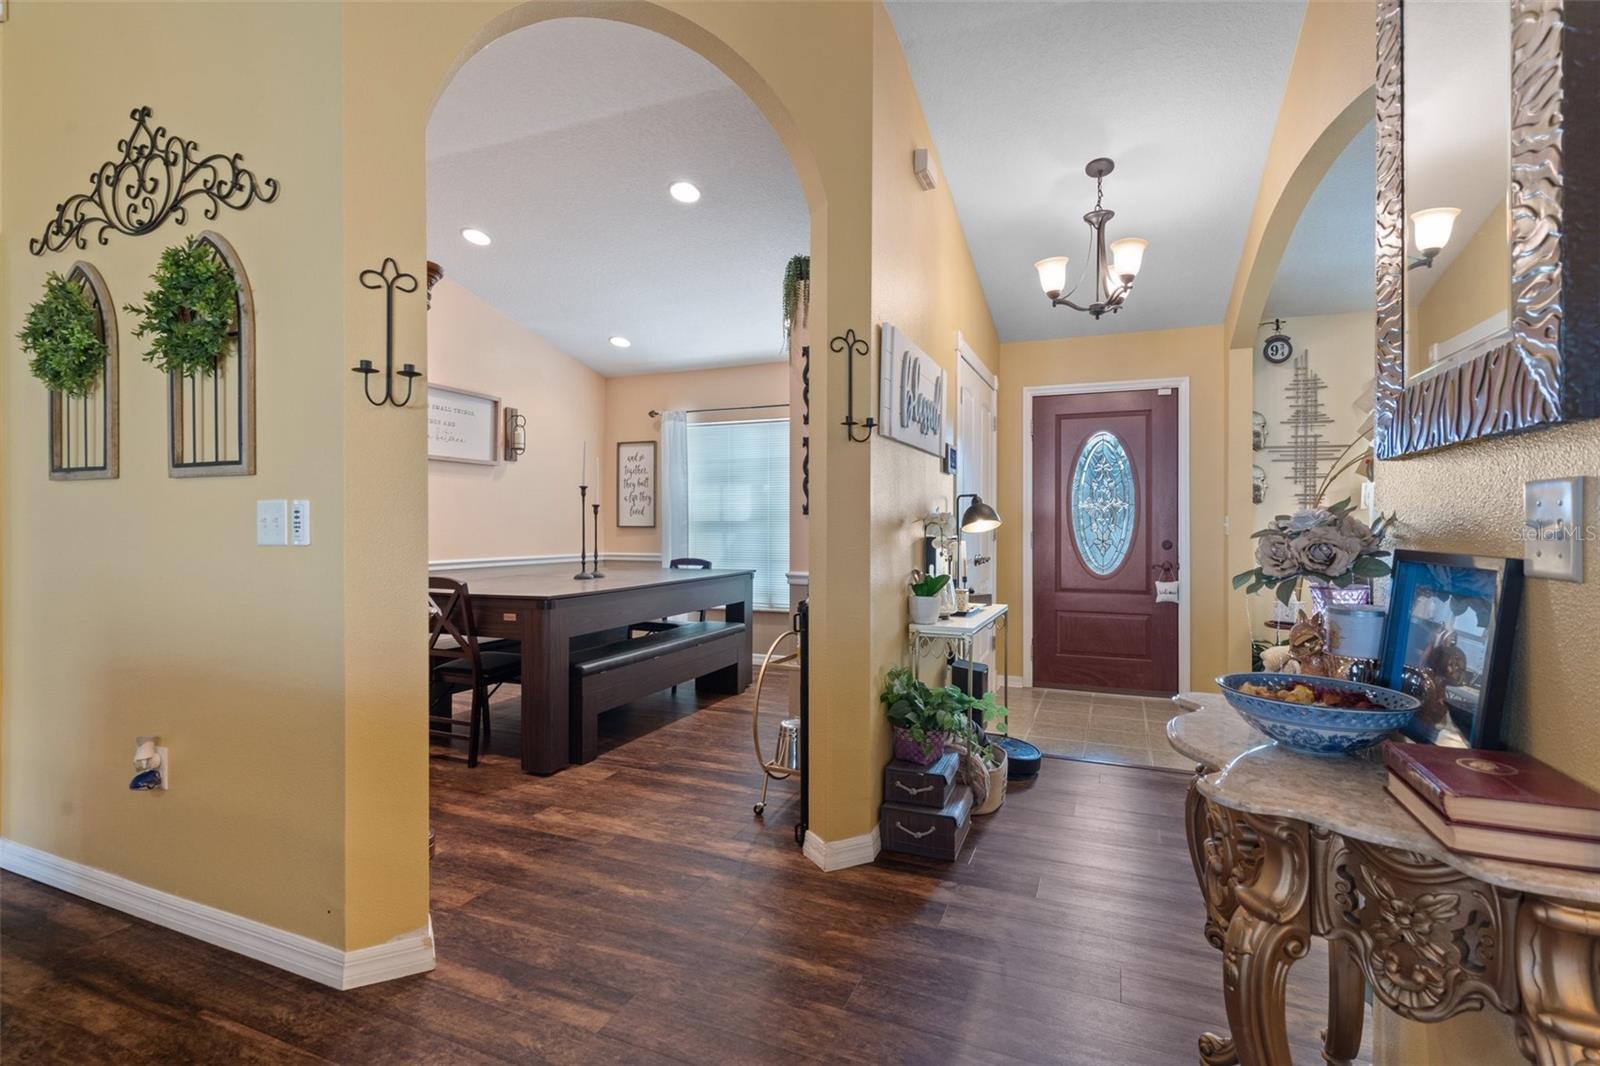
(211, 418)
(853, 346)
(390, 278)
(157, 178)
(805, 437)
(1549, 372)
(84, 430)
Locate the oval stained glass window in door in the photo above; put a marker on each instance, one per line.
(1102, 500)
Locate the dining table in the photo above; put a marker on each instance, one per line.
(548, 611)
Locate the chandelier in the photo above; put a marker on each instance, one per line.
(1112, 273)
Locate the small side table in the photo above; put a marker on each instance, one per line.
(958, 635)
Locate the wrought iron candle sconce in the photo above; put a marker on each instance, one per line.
(853, 346)
(389, 278)
(516, 435)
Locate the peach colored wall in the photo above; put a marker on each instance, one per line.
(629, 402)
(510, 509)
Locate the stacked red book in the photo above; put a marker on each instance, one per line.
(1497, 804)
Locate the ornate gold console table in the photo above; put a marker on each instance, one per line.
(1288, 846)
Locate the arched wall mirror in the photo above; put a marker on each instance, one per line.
(1486, 299)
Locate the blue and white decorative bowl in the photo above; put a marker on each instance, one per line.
(1312, 728)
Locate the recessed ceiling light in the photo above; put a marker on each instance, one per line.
(476, 236)
(621, 342)
(685, 192)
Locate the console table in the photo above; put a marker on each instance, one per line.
(958, 634)
(1288, 846)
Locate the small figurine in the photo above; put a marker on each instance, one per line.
(1308, 642)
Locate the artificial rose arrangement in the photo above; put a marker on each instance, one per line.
(1325, 546)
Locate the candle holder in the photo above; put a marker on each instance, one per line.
(583, 573)
(596, 571)
(390, 279)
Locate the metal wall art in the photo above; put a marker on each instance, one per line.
(805, 437)
(390, 278)
(157, 178)
(1307, 451)
(1549, 370)
(211, 417)
(853, 347)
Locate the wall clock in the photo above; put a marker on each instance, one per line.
(1277, 348)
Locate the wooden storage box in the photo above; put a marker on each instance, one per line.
(921, 786)
(937, 833)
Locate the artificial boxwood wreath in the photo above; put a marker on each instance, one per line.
(62, 333)
(189, 315)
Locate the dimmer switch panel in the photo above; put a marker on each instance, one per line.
(300, 523)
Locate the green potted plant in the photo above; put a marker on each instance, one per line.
(61, 332)
(189, 315)
(796, 293)
(927, 720)
(925, 597)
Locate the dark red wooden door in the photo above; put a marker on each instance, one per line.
(1105, 528)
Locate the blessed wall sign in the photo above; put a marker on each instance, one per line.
(910, 393)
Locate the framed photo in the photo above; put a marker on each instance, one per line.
(636, 484)
(463, 427)
(1452, 620)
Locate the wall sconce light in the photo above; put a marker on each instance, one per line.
(516, 441)
(1430, 231)
(389, 278)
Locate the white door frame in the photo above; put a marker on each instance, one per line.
(1185, 683)
(968, 361)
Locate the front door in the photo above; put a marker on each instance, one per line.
(1105, 530)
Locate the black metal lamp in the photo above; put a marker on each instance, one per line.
(979, 517)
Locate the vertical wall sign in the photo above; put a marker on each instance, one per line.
(910, 393)
(636, 484)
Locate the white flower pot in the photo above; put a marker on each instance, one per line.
(924, 610)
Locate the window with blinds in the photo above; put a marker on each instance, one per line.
(739, 501)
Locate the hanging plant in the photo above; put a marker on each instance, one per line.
(189, 314)
(61, 332)
(796, 292)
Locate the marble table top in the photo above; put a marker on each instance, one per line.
(1344, 794)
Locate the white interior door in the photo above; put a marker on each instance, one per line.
(976, 403)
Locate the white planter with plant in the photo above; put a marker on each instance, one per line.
(924, 600)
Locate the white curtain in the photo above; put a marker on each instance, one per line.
(674, 485)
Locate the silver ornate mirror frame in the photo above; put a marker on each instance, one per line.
(1549, 372)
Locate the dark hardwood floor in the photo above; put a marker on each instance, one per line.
(633, 910)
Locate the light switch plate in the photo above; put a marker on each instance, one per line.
(1553, 514)
(300, 523)
(272, 523)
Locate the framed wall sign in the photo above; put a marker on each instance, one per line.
(910, 393)
(636, 484)
(463, 427)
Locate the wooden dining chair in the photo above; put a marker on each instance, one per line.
(458, 662)
(667, 624)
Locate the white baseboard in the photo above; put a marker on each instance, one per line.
(842, 854)
(531, 560)
(407, 954)
(1015, 681)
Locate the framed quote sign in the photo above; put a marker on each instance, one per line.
(463, 427)
(636, 484)
(910, 393)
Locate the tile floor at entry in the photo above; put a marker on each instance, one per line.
(1098, 727)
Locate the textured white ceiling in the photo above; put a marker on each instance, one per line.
(559, 141)
(1182, 95)
(1328, 267)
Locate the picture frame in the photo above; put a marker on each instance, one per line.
(1448, 641)
(636, 484)
(463, 426)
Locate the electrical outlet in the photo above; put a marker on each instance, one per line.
(300, 523)
(1553, 513)
(272, 523)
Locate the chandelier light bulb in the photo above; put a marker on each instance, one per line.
(1127, 256)
(1052, 275)
(1431, 228)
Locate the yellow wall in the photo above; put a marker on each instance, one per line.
(1195, 353)
(629, 401)
(1476, 285)
(142, 605)
(521, 508)
(924, 284)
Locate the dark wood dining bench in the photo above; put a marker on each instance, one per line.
(613, 674)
